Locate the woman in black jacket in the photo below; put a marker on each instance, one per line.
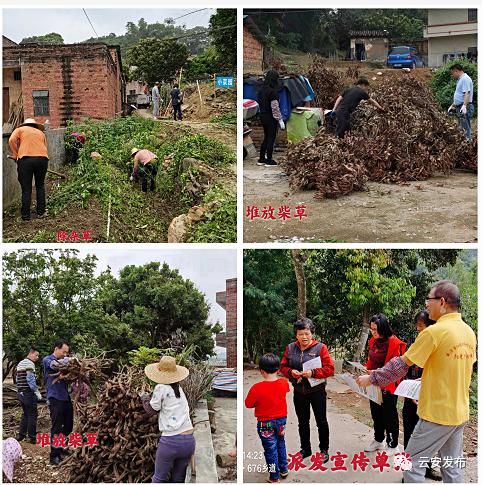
(270, 116)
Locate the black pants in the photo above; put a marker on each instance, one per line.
(28, 423)
(148, 172)
(177, 110)
(385, 419)
(342, 123)
(27, 169)
(62, 416)
(410, 420)
(317, 401)
(270, 127)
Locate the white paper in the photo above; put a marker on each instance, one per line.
(373, 393)
(409, 388)
(313, 364)
(358, 366)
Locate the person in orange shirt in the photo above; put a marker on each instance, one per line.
(29, 149)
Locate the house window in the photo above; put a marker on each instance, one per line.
(40, 103)
(17, 75)
(472, 15)
(132, 91)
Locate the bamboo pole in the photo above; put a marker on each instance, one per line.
(199, 91)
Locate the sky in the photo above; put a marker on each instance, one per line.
(208, 269)
(73, 25)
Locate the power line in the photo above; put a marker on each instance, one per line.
(205, 32)
(288, 10)
(189, 13)
(96, 34)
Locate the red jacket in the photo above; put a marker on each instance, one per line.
(396, 348)
(327, 370)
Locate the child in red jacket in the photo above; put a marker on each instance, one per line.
(268, 398)
(382, 347)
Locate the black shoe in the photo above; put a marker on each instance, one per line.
(55, 461)
(32, 440)
(25, 218)
(433, 474)
(271, 163)
(66, 452)
(261, 162)
(20, 437)
(41, 214)
(326, 457)
(305, 453)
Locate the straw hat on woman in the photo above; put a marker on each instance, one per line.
(177, 443)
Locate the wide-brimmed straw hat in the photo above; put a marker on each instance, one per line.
(32, 122)
(134, 151)
(166, 371)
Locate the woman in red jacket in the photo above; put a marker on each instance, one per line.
(382, 347)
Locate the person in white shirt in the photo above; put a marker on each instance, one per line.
(156, 98)
(177, 444)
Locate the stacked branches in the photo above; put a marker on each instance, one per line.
(411, 141)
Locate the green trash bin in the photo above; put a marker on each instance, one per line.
(302, 124)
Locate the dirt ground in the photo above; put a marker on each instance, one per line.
(150, 223)
(384, 213)
(350, 428)
(224, 438)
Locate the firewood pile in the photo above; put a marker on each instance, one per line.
(412, 140)
(127, 436)
(86, 370)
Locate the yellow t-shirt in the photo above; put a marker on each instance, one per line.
(446, 351)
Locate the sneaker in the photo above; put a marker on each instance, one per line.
(271, 163)
(283, 474)
(305, 453)
(392, 451)
(374, 445)
(270, 480)
(326, 455)
(433, 474)
(260, 162)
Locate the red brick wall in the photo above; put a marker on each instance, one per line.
(257, 135)
(252, 51)
(231, 322)
(83, 80)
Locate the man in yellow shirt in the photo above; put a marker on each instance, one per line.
(29, 149)
(446, 351)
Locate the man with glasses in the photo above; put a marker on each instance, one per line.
(446, 351)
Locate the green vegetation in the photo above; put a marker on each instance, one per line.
(225, 119)
(52, 38)
(106, 180)
(51, 294)
(443, 85)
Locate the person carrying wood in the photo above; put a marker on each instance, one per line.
(176, 100)
(145, 164)
(447, 352)
(347, 102)
(29, 148)
(28, 395)
(60, 404)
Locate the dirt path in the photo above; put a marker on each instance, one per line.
(348, 433)
(384, 213)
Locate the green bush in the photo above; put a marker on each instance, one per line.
(443, 85)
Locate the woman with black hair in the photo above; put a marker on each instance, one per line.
(308, 385)
(270, 116)
(382, 347)
(177, 444)
(410, 406)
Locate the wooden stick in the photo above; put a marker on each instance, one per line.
(199, 91)
(108, 219)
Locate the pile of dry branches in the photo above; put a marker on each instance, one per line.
(411, 140)
(127, 435)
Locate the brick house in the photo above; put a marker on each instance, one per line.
(228, 300)
(254, 46)
(451, 33)
(63, 82)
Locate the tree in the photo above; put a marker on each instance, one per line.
(154, 301)
(157, 60)
(52, 38)
(298, 262)
(222, 27)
